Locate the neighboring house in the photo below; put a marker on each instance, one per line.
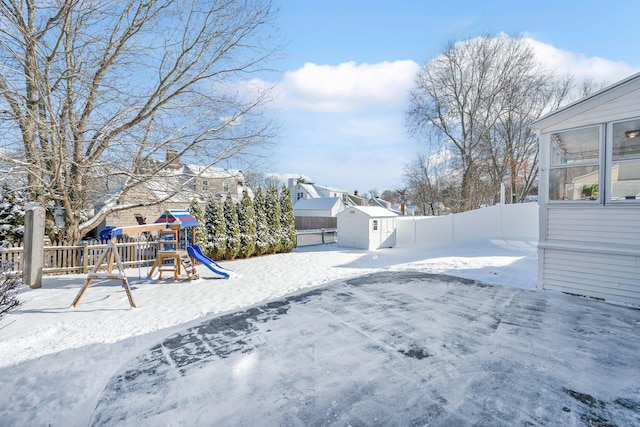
(401, 209)
(589, 195)
(175, 188)
(320, 207)
(367, 227)
(318, 213)
(300, 190)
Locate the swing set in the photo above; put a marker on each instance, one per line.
(172, 256)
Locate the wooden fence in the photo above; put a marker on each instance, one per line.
(82, 259)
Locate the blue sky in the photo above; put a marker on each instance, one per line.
(348, 65)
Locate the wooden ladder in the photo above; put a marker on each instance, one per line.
(187, 263)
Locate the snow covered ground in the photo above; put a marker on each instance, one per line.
(324, 336)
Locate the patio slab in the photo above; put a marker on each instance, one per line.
(391, 349)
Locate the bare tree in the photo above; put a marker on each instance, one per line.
(96, 90)
(476, 99)
(510, 151)
(425, 184)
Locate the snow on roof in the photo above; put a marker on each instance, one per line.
(318, 203)
(212, 172)
(334, 189)
(311, 190)
(371, 211)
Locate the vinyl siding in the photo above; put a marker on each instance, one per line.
(599, 224)
(611, 277)
(587, 248)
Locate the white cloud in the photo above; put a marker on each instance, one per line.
(562, 61)
(366, 145)
(347, 87)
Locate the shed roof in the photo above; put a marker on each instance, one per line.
(372, 211)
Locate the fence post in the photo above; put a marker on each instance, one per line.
(85, 258)
(33, 244)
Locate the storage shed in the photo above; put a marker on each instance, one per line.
(366, 227)
(589, 195)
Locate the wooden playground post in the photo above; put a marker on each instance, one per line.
(111, 252)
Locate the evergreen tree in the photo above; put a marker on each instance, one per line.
(274, 214)
(201, 230)
(11, 216)
(232, 227)
(247, 222)
(262, 226)
(215, 240)
(287, 221)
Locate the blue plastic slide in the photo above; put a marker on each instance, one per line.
(196, 253)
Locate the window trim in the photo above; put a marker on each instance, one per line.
(599, 163)
(609, 163)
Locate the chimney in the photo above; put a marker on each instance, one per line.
(172, 157)
(355, 193)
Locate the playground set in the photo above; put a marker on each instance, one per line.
(177, 251)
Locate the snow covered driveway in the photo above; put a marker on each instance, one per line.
(394, 348)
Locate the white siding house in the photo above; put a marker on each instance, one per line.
(589, 195)
(366, 227)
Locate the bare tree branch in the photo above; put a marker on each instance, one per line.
(94, 89)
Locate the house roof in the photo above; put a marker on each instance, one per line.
(334, 189)
(212, 172)
(372, 211)
(603, 95)
(320, 203)
(311, 190)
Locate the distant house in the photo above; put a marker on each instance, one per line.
(174, 188)
(319, 207)
(302, 190)
(399, 208)
(589, 195)
(367, 227)
(317, 213)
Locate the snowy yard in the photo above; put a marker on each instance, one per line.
(324, 336)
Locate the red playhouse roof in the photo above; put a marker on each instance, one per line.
(183, 216)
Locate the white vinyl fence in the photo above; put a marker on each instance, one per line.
(516, 221)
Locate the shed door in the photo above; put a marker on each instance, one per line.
(387, 233)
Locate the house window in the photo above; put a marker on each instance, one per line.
(205, 185)
(624, 172)
(574, 172)
(375, 225)
(299, 196)
(225, 186)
